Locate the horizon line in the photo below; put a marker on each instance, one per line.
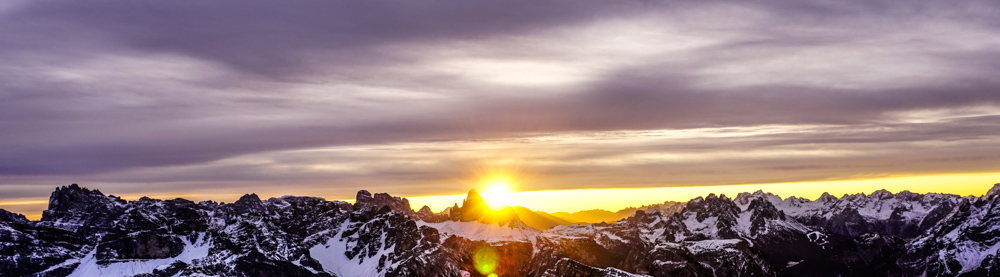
(542, 200)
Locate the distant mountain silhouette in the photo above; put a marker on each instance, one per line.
(538, 219)
(474, 209)
(600, 215)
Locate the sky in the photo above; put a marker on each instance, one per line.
(627, 100)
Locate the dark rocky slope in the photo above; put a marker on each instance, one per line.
(85, 232)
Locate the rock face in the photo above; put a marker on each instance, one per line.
(965, 242)
(365, 199)
(474, 209)
(79, 209)
(904, 214)
(6, 216)
(867, 255)
(87, 233)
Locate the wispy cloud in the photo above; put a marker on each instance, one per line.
(411, 97)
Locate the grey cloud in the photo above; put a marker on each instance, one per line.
(281, 38)
(249, 61)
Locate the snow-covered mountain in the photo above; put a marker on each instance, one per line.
(904, 214)
(87, 233)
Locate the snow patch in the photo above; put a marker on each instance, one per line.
(483, 232)
(89, 266)
(331, 255)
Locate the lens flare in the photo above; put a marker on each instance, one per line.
(485, 260)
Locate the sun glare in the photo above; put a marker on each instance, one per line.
(497, 194)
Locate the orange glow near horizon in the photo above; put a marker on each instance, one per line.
(497, 194)
(618, 198)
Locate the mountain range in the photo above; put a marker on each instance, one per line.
(87, 233)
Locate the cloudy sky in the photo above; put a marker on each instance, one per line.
(423, 98)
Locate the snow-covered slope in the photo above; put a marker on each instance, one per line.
(89, 266)
(966, 242)
(86, 233)
(903, 214)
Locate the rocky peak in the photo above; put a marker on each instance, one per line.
(249, 198)
(473, 207)
(712, 206)
(380, 200)
(696, 200)
(854, 197)
(743, 199)
(881, 194)
(797, 201)
(249, 203)
(455, 212)
(763, 208)
(909, 196)
(395, 203)
(364, 198)
(473, 199)
(826, 197)
(994, 191)
(722, 208)
(712, 197)
(6, 216)
(762, 211)
(425, 210)
(76, 201)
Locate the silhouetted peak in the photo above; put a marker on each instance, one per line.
(473, 207)
(396, 203)
(6, 216)
(363, 195)
(379, 200)
(363, 199)
(248, 199)
(208, 203)
(75, 197)
(76, 206)
(249, 203)
(474, 198)
(76, 189)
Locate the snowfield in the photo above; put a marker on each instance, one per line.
(88, 265)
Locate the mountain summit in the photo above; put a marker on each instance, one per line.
(87, 233)
(474, 208)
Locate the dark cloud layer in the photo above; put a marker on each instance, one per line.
(238, 95)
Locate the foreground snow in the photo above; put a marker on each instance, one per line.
(89, 267)
(483, 232)
(331, 255)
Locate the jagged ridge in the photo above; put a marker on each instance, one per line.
(754, 234)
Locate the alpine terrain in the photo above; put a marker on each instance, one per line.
(87, 233)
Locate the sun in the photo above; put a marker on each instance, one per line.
(497, 194)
